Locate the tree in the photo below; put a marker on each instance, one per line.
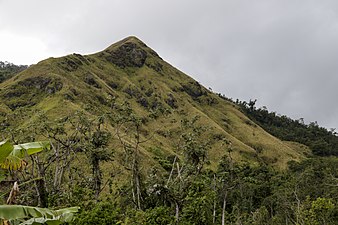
(193, 147)
(198, 203)
(94, 144)
(69, 136)
(226, 177)
(128, 130)
(8, 70)
(318, 212)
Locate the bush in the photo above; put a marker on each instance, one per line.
(103, 213)
(160, 216)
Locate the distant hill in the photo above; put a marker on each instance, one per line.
(322, 142)
(8, 70)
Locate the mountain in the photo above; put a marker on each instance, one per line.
(131, 71)
(133, 140)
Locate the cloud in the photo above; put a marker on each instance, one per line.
(21, 49)
(281, 52)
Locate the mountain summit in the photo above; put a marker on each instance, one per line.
(130, 52)
(130, 71)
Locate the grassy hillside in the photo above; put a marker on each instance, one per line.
(131, 71)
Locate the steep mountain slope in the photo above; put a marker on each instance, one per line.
(131, 71)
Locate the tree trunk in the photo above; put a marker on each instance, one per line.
(224, 205)
(136, 179)
(214, 210)
(96, 176)
(138, 191)
(42, 193)
(57, 167)
(177, 212)
(12, 195)
(214, 213)
(40, 185)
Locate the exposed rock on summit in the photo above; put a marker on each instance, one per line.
(129, 54)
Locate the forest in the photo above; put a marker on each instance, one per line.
(323, 142)
(7, 70)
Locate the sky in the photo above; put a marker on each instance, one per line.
(284, 53)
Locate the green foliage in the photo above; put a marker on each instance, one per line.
(198, 203)
(261, 216)
(319, 212)
(159, 216)
(19, 213)
(322, 142)
(11, 156)
(254, 195)
(8, 70)
(193, 146)
(134, 217)
(5, 150)
(104, 213)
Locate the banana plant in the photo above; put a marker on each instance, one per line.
(27, 215)
(12, 156)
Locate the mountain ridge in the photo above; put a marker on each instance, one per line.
(131, 71)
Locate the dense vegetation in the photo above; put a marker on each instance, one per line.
(182, 191)
(236, 194)
(322, 142)
(7, 70)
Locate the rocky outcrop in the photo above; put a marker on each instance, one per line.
(128, 54)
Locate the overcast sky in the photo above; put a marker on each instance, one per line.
(282, 52)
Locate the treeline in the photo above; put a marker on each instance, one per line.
(321, 141)
(8, 70)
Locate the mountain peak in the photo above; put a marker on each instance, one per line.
(133, 39)
(128, 40)
(129, 52)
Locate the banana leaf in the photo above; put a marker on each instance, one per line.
(19, 214)
(11, 156)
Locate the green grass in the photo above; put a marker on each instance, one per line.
(89, 81)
